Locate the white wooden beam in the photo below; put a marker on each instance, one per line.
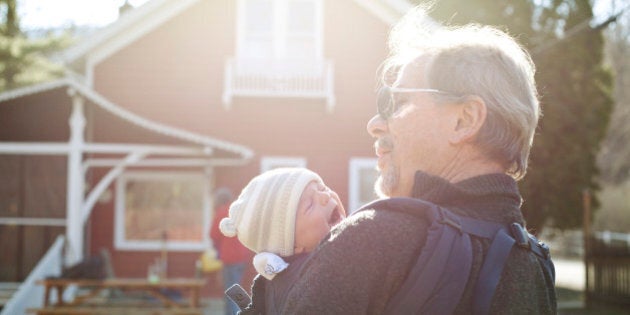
(44, 148)
(164, 162)
(74, 198)
(121, 148)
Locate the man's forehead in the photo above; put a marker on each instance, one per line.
(411, 75)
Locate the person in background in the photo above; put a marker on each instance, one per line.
(232, 254)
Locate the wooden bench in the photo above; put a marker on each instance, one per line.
(115, 310)
(191, 285)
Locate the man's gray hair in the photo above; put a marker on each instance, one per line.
(476, 60)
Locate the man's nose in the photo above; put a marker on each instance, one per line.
(376, 126)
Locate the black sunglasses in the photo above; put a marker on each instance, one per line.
(385, 104)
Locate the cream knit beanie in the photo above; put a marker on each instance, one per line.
(263, 216)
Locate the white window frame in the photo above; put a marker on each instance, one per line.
(279, 29)
(271, 162)
(121, 243)
(354, 186)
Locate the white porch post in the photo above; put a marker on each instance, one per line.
(74, 200)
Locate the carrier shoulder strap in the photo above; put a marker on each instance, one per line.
(436, 282)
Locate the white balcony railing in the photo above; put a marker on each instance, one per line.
(279, 78)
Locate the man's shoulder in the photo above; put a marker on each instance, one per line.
(377, 228)
(388, 213)
(368, 219)
(365, 257)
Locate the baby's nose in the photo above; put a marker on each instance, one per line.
(324, 197)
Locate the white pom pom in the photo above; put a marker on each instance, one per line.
(269, 264)
(227, 227)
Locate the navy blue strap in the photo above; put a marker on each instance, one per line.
(491, 270)
(479, 228)
(436, 279)
(431, 301)
(538, 248)
(494, 261)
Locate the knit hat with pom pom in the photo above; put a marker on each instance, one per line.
(263, 216)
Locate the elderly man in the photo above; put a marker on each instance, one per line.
(453, 129)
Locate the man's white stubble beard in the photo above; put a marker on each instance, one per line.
(386, 182)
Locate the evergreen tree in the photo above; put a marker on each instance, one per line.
(614, 159)
(575, 96)
(23, 60)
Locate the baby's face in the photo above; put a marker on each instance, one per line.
(318, 211)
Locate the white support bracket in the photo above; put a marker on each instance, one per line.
(102, 185)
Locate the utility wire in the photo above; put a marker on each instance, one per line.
(580, 27)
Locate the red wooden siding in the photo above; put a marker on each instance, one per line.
(174, 75)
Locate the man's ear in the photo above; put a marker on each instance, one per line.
(471, 115)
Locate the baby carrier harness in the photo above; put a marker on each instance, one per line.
(436, 282)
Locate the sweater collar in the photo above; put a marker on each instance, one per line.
(493, 197)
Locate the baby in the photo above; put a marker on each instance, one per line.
(281, 215)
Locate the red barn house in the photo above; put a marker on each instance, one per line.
(176, 99)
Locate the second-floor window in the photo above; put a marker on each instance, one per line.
(279, 29)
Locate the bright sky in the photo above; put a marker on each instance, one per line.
(36, 14)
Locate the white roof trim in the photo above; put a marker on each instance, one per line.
(133, 118)
(157, 11)
(31, 89)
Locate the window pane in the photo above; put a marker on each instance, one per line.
(259, 16)
(301, 47)
(259, 30)
(258, 47)
(367, 177)
(301, 30)
(155, 206)
(301, 16)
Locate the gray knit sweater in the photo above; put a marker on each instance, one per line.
(365, 259)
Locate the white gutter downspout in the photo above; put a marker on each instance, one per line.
(74, 195)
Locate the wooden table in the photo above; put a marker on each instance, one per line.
(154, 288)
